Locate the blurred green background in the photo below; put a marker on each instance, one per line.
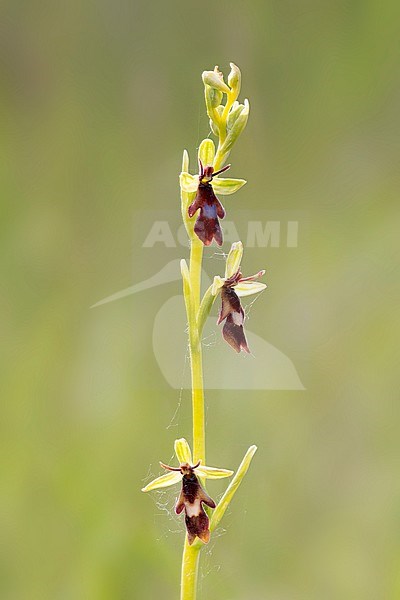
(98, 101)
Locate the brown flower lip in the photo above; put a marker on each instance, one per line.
(207, 225)
(232, 312)
(191, 500)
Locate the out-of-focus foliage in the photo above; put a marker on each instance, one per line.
(98, 100)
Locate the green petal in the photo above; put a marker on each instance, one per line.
(225, 186)
(189, 183)
(234, 259)
(182, 451)
(207, 152)
(163, 481)
(247, 288)
(213, 472)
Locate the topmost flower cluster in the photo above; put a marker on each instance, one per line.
(227, 121)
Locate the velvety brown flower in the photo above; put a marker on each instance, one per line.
(191, 500)
(207, 225)
(192, 495)
(231, 287)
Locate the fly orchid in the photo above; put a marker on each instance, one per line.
(201, 211)
(205, 185)
(192, 494)
(232, 287)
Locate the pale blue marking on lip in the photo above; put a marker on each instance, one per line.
(209, 210)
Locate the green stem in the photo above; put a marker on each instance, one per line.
(197, 402)
(196, 259)
(190, 566)
(196, 362)
(190, 558)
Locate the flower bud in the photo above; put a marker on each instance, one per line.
(215, 79)
(215, 96)
(234, 113)
(237, 128)
(234, 79)
(214, 128)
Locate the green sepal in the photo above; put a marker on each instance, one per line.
(234, 259)
(207, 152)
(225, 186)
(248, 288)
(189, 183)
(182, 451)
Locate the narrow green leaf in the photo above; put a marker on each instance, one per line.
(232, 488)
(205, 308)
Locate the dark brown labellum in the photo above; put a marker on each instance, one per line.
(232, 311)
(191, 500)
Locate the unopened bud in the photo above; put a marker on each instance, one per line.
(237, 127)
(234, 113)
(215, 96)
(214, 128)
(234, 78)
(215, 80)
